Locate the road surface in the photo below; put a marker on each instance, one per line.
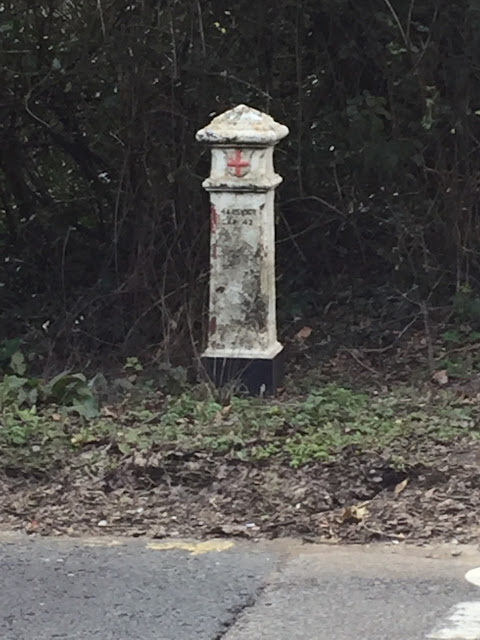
(228, 590)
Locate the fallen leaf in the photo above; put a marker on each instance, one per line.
(400, 486)
(226, 410)
(159, 532)
(223, 413)
(108, 413)
(31, 527)
(360, 512)
(440, 377)
(304, 333)
(355, 513)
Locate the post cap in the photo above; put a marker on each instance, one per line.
(242, 125)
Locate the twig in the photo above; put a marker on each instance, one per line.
(358, 361)
(291, 237)
(102, 21)
(274, 525)
(229, 76)
(426, 321)
(426, 44)
(465, 348)
(64, 254)
(397, 339)
(399, 24)
(409, 19)
(377, 532)
(174, 51)
(428, 337)
(330, 206)
(201, 30)
(298, 68)
(27, 100)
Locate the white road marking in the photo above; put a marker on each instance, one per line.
(473, 576)
(463, 621)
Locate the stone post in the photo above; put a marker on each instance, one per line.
(242, 340)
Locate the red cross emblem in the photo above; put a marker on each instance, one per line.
(240, 167)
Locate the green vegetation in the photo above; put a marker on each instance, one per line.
(104, 223)
(38, 434)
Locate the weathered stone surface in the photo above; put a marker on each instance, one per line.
(242, 277)
(242, 181)
(243, 169)
(243, 125)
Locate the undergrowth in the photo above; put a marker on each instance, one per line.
(39, 435)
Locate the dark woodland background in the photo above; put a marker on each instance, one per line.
(103, 221)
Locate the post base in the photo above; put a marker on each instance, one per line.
(256, 376)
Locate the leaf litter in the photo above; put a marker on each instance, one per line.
(355, 499)
(336, 466)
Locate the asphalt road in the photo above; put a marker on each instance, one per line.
(164, 590)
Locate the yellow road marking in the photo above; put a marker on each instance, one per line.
(195, 548)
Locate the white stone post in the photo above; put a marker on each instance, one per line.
(242, 340)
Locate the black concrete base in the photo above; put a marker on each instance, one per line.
(259, 377)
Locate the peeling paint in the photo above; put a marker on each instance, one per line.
(213, 219)
(237, 165)
(212, 325)
(242, 278)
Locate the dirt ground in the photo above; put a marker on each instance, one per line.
(355, 500)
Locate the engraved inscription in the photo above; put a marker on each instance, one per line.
(239, 216)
